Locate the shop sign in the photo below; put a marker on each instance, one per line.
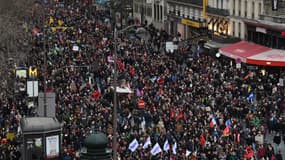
(190, 23)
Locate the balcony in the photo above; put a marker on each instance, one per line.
(217, 11)
(187, 2)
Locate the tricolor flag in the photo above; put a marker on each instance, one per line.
(133, 145)
(174, 147)
(155, 149)
(166, 146)
(213, 122)
(147, 142)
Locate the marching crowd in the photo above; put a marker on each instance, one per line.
(184, 105)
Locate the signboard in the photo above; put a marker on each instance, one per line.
(21, 73)
(50, 103)
(170, 47)
(32, 88)
(190, 23)
(52, 146)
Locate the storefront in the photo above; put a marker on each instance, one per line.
(192, 29)
(267, 35)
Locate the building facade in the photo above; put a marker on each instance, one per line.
(186, 18)
(269, 28)
(150, 11)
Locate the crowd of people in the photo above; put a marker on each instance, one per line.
(202, 106)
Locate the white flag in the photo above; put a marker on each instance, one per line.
(133, 145)
(156, 149)
(174, 148)
(188, 152)
(147, 142)
(166, 146)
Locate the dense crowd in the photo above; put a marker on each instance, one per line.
(189, 99)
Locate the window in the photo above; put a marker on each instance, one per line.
(259, 8)
(239, 29)
(252, 15)
(222, 4)
(154, 11)
(239, 4)
(149, 11)
(160, 12)
(234, 28)
(245, 6)
(217, 4)
(234, 7)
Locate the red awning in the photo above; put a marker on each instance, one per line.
(256, 54)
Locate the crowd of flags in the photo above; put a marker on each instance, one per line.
(156, 149)
(167, 147)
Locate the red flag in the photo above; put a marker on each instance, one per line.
(172, 114)
(248, 152)
(132, 71)
(226, 131)
(247, 76)
(141, 104)
(96, 95)
(202, 140)
(160, 81)
(180, 115)
(35, 31)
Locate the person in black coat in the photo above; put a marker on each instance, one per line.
(277, 139)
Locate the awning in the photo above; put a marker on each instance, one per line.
(256, 54)
(214, 45)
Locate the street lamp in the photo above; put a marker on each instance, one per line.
(45, 54)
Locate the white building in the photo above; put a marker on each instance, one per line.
(152, 11)
(240, 10)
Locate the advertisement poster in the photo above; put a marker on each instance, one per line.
(52, 146)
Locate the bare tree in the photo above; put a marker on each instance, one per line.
(14, 37)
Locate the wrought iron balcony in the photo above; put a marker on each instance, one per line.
(187, 2)
(217, 11)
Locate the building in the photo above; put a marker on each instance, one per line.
(150, 11)
(186, 18)
(269, 28)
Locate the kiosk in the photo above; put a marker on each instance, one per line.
(41, 138)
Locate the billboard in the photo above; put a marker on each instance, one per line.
(52, 146)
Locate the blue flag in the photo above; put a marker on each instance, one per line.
(228, 122)
(250, 97)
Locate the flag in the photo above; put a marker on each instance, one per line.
(228, 122)
(180, 115)
(248, 75)
(133, 145)
(51, 20)
(156, 149)
(250, 97)
(147, 142)
(174, 147)
(226, 131)
(249, 153)
(60, 22)
(202, 140)
(166, 146)
(172, 114)
(188, 152)
(213, 122)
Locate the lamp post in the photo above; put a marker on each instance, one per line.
(44, 52)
